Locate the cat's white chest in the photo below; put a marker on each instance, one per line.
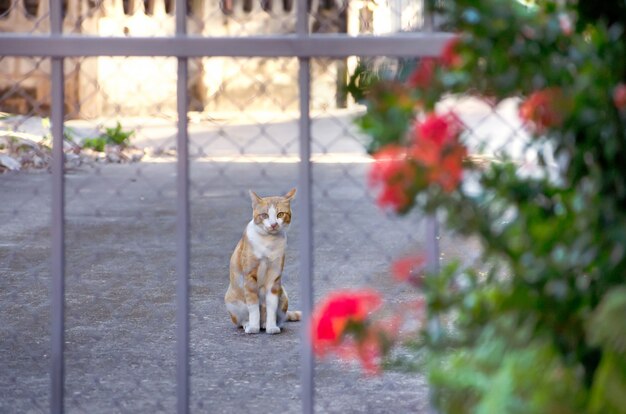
(266, 247)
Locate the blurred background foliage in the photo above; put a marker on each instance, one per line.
(539, 328)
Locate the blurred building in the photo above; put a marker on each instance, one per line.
(105, 86)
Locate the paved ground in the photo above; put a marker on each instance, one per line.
(120, 323)
(120, 291)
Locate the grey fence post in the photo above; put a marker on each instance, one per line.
(432, 266)
(57, 273)
(307, 366)
(57, 292)
(182, 223)
(432, 243)
(306, 243)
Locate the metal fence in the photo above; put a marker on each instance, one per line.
(207, 135)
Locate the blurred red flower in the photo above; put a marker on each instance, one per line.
(438, 129)
(395, 173)
(370, 344)
(619, 96)
(435, 156)
(423, 75)
(333, 314)
(449, 56)
(406, 269)
(449, 172)
(367, 350)
(437, 148)
(543, 109)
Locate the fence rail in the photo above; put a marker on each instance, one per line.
(302, 45)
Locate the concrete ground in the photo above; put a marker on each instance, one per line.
(120, 289)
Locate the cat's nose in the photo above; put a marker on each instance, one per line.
(274, 226)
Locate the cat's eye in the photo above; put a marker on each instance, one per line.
(281, 215)
(263, 216)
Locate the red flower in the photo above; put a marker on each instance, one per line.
(390, 160)
(449, 56)
(449, 173)
(395, 173)
(435, 156)
(543, 109)
(332, 315)
(367, 350)
(619, 96)
(370, 344)
(423, 75)
(405, 269)
(438, 129)
(436, 148)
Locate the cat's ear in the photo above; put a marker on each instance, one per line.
(291, 194)
(254, 197)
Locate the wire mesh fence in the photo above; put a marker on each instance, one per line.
(120, 148)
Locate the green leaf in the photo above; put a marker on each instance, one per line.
(97, 144)
(608, 394)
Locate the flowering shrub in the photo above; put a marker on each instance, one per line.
(408, 269)
(396, 173)
(340, 324)
(543, 109)
(433, 156)
(539, 328)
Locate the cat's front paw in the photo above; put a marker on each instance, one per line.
(272, 330)
(250, 329)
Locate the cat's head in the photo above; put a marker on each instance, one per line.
(272, 215)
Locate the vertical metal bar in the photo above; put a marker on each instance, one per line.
(302, 18)
(57, 305)
(57, 271)
(307, 364)
(306, 241)
(432, 266)
(182, 224)
(182, 252)
(432, 244)
(428, 16)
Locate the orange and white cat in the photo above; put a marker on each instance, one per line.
(255, 297)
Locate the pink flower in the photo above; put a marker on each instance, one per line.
(565, 24)
(395, 174)
(367, 350)
(435, 156)
(543, 109)
(423, 75)
(333, 314)
(436, 147)
(619, 96)
(370, 343)
(408, 268)
(438, 129)
(449, 56)
(449, 173)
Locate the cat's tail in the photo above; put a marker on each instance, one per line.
(294, 316)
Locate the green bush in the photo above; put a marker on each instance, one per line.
(539, 328)
(111, 136)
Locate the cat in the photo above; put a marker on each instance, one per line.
(255, 298)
